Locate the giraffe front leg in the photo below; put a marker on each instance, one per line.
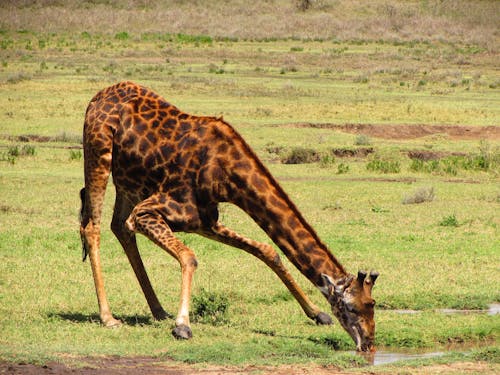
(150, 223)
(270, 257)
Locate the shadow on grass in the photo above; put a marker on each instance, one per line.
(130, 320)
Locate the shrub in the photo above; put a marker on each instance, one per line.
(418, 165)
(300, 155)
(449, 221)
(75, 154)
(28, 150)
(384, 163)
(342, 168)
(210, 308)
(326, 161)
(362, 140)
(122, 35)
(420, 195)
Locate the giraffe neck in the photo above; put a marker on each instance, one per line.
(255, 190)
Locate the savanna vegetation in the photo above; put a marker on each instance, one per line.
(380, 120)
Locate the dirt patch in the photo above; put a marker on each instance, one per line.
(360, 152)
(406, 131)
(425, 155)
(153, 366)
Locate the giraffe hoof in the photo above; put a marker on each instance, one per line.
(182, 332)
(323, 319)
(112, 323)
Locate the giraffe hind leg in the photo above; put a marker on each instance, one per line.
(128, 241)
(145, 219)
(97, 170)
(85, 250)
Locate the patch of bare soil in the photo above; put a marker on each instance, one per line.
(152, 366)
(406, 131)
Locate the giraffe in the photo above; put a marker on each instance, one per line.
(171, 170)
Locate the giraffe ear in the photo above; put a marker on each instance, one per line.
(338, 287)
(328, 283)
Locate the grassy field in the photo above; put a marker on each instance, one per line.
(275, 88)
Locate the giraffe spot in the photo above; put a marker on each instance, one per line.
(258, 182)
(183, 116)
(171, 122)
(164, 104)
(113, 99)
(235, 154)
(149, 115)
(127, 122)
(301, 234)
(185, 126)
(151, 137)
(149, 161)
(166, 151)
(173, 112)
(222, 148)
(143, 146)
(274, 201)
(201, 131)
(242, 165)
(317, 263)
(107, 107)
(129, 141)
(187, 142)
(155, 124)
(292, 222)
(140, 127)
(174, 206)
(157, 174)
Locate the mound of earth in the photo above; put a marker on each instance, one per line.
(407, 131)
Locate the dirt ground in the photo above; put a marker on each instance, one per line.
(152, 366)
(403, 131)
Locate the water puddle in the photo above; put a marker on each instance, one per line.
(382, 357)
(493, 309)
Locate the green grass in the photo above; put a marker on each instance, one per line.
(441, 253)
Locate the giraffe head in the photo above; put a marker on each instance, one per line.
(352, 303)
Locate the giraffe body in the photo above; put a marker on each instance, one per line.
(171, 170)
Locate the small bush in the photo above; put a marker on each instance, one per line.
(418, 165)
(28, 150)
(384, 163)
(210, 308)
(362, 140)
(420, 195)
(299, 155)
(449, 221)
(122, 35)
(75, 154)
(342, 168)
(327, 161)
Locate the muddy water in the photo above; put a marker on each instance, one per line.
(382, 357)
(493, 309)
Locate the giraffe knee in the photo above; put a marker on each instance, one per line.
(189, 261)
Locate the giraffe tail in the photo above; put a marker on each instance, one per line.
(85, 250)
